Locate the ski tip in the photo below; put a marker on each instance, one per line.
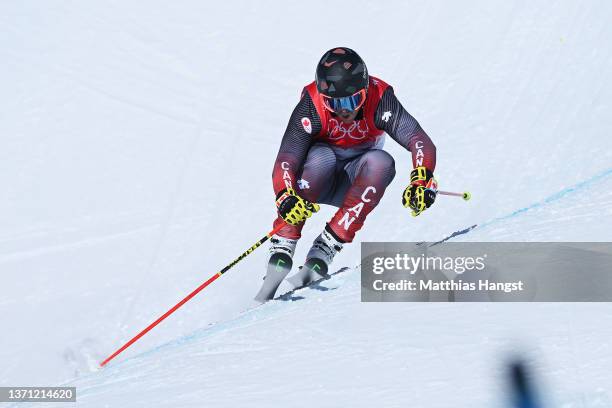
(260, 300)
(467, 195)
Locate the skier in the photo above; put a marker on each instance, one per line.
(331, 153)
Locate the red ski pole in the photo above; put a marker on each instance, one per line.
(192, 294)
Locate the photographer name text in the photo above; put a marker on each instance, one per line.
(454, 285)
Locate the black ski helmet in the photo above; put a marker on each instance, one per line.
(341, 72)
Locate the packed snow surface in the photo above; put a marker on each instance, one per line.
(136, 147)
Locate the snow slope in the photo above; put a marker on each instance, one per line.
(137, 141)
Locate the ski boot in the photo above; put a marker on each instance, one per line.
(279, 265)
(320, 256)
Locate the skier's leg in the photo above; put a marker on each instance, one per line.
(369, 175)
(358, 191)
(316, 180)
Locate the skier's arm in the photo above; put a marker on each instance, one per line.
(404, 129)
(295, 144)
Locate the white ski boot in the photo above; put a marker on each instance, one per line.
(279, 265)
(320, 256)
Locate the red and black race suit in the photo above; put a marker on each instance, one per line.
(329, 162)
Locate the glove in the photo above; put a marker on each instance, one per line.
(421, 193)
(293, 208)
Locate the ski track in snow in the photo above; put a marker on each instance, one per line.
(591, 182)
(577, 188)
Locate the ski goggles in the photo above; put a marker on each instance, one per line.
(346, 103)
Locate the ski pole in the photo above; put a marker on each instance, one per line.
(192, 294)
(465, 195)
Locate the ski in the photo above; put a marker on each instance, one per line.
(312, 270)
(451, 236)
(456, 233)
(279, 266)
(288, 296)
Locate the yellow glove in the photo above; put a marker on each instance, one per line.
(293, 208)
(421, 193)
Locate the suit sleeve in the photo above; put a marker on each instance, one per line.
(295, 144)
(404, 129)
